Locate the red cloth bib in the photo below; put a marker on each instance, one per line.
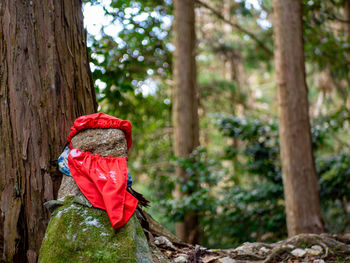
(103, 182)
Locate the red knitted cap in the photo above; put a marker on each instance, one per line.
(101, 121)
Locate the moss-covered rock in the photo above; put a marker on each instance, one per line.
(77, 233)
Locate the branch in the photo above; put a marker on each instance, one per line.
(346, 21)
(236, 26)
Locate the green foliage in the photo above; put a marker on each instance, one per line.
(253, 206)
(131, 65)
(239, 207)
(336, 174)
(260, 147)
(140, 49)
(202, 175)
(236, 180)
(335, 191)
(325, 41)
(248, 204)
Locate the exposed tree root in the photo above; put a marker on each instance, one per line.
(277, 252)
(322, 248)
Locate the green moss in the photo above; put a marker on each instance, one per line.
(303, 244)
(336, 248)
(79, 234)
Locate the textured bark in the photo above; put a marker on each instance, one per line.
(299, 175)
(185, 97)
(45, 83)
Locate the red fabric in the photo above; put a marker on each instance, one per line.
(103, 182)
(101, 121)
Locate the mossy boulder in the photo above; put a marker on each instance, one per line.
(77, 233)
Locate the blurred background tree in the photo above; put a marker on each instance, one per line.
(235, 176)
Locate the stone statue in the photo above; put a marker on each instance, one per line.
(106, 142)
(78, 232)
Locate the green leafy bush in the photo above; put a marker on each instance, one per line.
(248, 204)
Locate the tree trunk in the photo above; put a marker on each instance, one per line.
(185, 104)
(45, 83)
(347, 18)
(299, 175)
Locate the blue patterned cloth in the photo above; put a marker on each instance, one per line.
(129, 182)
(63, 162)
(63, 165)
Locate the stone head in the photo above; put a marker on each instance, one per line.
(106, 142)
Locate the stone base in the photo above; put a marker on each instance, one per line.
(77, 233)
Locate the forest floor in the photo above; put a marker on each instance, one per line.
(303, 248)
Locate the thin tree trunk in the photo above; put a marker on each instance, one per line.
(186, 134)
(346, 26)
(45, 83)
(347, 18)
(299, 175)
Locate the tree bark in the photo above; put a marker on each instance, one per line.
(45, 83)
(299, 175)
(185, 106)
(347, 18)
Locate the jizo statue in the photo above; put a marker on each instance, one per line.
(96, 178)
(95, 165)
